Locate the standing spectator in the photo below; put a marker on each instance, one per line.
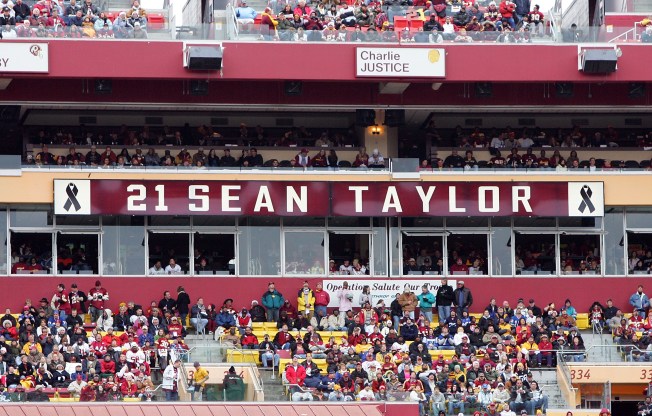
(426, 302)
(522, 9)
(538, 27)
(199, 379)
(97, 296)
(322, 299)
(171, 378)
(272, 300)
(306, 301)
(167, 304)
(462, 298)
(22, 11)
(345, 296)
(640, 302)
(183, 303)
(408, 302)
(444, 300)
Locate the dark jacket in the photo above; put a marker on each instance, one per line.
(467, 297)
(445, 296)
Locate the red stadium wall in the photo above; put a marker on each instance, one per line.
(582, 291)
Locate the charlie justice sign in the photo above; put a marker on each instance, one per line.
(321, 199)
(400, 62)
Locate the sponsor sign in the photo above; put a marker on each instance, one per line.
(24, 57)
(384, 290)
(400, 62)
(320, 199)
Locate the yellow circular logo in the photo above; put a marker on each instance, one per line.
(433, 55)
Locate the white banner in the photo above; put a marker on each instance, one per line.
(385, 290)
(72, 197)
(400, 62)
(585, 199)
(24, 57)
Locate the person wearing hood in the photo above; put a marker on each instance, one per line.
(106, 320)
(305, 301)
(243, 320)
(257, 312)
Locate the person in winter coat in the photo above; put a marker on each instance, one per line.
(408, 302)
(272, 300)
(306, 301)
(462, 298)
(183, 305)
(106, 320)
(426, 302)
(171, 380)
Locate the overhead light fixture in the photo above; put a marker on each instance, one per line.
(375, 129)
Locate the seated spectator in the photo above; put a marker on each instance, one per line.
(173, 268)
(245, 16)
(135, 7)
(376, 160)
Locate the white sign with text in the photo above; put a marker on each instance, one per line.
(24, 57)
(400, 62)
(385, 290)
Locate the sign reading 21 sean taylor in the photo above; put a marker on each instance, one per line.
(400, 62)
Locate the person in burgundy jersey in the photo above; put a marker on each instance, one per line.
(97, 296)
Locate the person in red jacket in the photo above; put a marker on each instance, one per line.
(249, 340)
(322, 299)
(97, 296)
(107, 366)
(295, 373)
(545, 349)
(507, 9)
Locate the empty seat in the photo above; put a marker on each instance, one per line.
(631, 164)
(344, 164)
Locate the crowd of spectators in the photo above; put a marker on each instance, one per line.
(73, 342)
(51, 19)
(388, 351)
(424, 21)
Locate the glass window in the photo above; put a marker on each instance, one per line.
(83, 220)
(453, 222)
(259, 247)
(304, 222)
(349, 247)
(579, 222)
(535, 253)
(422, 222)
(31, 253)
(213, 221)
(349, 222)
(30, 217)
(77, 253)
(123, 245)
(168, 221)
(426, 250)
(501, 243)
(3, 237)
(214, 253)
(164, 247)
(639, 247)
(579, 254)
(395, 249)
(639, 218)
(535, 222)
(467, 253)
(614, 255)
(379, 257)
(304, 252)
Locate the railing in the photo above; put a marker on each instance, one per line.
(231, 23)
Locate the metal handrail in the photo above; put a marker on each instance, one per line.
(231, 22)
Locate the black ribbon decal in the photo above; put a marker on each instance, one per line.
(586, 194)
(72, 191)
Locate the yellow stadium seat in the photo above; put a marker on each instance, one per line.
(582, 321)
(448, 354)
(64, 399)
(258, 325)
(242, 356)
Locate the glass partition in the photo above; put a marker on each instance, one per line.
(501, 248)
(123, 245)
(259, 247)
(615, 255)
(304, 252)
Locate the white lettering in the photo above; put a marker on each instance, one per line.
(482, 199)
(425, 198)
(227, 198)
(203, 199)
(134, 201)
(358, 196)
(160, 189)
(452, 200)
(293, 199)
(264, 200)
(391, 200)
(521, 194)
